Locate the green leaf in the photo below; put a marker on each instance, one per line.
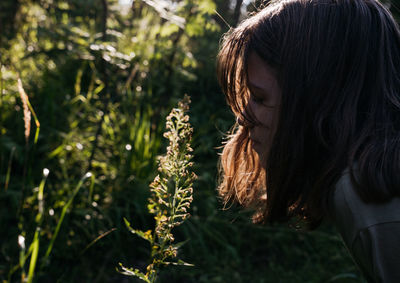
(57, 151)
(180, 244)
(179, 262)
(133, 272)
(144, 235)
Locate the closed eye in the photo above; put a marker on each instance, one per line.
(256, 99)
(262, 99)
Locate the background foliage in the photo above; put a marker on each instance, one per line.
(101, 75)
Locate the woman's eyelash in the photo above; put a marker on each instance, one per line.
(256, 99)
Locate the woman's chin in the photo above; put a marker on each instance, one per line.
(259, 148)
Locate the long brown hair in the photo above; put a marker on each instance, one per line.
(338, 65)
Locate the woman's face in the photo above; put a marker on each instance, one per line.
(264, 102)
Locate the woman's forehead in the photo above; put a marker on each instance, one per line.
(259, 74)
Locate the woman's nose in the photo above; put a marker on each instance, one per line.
(243, 123)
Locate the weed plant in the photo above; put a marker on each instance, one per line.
(172, 194)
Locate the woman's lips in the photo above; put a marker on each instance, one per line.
(254, 141)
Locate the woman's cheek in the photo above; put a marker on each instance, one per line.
(265, 116)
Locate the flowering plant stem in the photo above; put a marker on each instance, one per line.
(171, 195)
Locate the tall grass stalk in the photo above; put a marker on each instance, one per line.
(34, 249)
(171, 195)
(28, 110)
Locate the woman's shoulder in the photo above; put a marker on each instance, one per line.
(351, 214)
(371, 232)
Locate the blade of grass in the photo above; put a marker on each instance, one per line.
(92, 179)
(98, 238)
(63, 212)
(22, 258)
(9, 169)
(34, 257)
(39, 218)
(1, 84)
(78, 79)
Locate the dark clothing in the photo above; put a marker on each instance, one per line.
(371, 232)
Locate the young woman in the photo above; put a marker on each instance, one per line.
(315, 87)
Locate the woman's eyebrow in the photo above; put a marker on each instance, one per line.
(255, 87)
(252, 85)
